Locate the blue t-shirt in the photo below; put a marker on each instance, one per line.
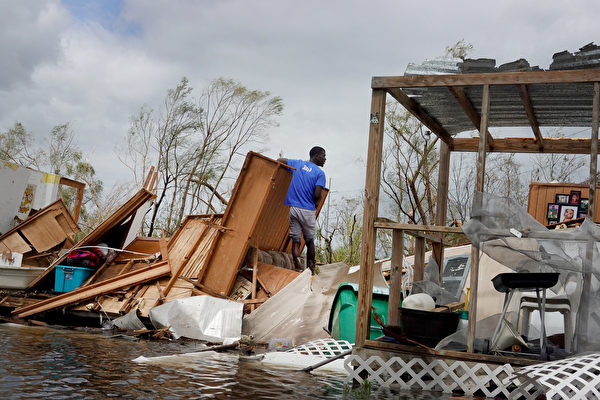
(305, 177)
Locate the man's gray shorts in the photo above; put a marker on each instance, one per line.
(302, 221)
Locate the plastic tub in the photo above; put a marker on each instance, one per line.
(427, 327)
(69, 278)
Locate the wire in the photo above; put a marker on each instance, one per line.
(110, 248)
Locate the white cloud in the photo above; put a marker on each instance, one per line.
(318, 56)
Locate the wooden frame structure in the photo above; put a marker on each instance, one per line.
(448, 105)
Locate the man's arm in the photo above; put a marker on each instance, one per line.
(317, 195)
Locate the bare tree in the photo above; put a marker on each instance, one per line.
(409, 174)
(16, 146)
(556, 167)
(460, 194)
(342, 237)
(195, 143)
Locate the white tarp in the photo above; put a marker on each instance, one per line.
(200, 317)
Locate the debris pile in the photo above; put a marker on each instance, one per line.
(228, 256)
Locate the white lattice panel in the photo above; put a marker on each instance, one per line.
(322, 347)
(571, 378)
(438, 375)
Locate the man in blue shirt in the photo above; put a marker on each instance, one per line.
(303, 196)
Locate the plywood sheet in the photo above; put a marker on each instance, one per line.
(14, 242)
(44, 233)
(275, 278)
(540, 194)
(245, 206)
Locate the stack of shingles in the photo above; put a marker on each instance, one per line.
(206, 255)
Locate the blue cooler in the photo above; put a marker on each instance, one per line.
(69, 278)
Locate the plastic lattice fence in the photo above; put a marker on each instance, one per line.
(571, 378)
(439, 375)
(322, 347)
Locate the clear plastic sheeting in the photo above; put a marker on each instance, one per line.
(200, 317)
(508, 234)
(299, 311)
(430, 285)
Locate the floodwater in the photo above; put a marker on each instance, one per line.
(42, 362)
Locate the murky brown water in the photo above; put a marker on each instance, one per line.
(39, 362)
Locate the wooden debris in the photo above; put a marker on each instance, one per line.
(457, 305)
(93, 290)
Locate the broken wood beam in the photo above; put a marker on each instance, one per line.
(254, 275)
(89, 292)
(204, 289)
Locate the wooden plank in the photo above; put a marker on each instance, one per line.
(89, 292)
(203, 288)
(246, 206)
(479, 185)
(422, 115)
(178, 267)
(526, 145)
(395, 276)
(495, 78)
(80, 186)
(370, 209)
(252, 302)
(149, 176)
(164, 254)
(274, 278)
(526, 100)
(417, 227)
(415, 351)
(471, 112)
(254, 275)
(441, 206)
(419, 259)
(15, 242)
(44, 233)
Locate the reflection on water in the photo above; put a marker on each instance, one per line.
(43, 362)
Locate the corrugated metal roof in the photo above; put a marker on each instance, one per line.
(554, 104)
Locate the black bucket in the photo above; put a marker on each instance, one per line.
(427, 327)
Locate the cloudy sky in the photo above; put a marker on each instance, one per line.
(95, 63)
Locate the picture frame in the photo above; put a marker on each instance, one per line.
(575, 197)
(568, 212)
(553, 212)
(584, 205)
(561, 198)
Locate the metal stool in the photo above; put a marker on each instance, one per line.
(559, 304)
(507, 283)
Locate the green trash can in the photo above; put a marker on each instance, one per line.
(342, 317)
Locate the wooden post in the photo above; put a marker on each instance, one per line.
(474, 273)
(419, 264)
(254, 275)
(371, 202)
(594, 152)
(395, 276)
(582, 321)
(442, 202)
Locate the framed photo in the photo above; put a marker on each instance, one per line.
(584, 204)
(553, 212)
(561, 198)
(575, 197)
(568, 212)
